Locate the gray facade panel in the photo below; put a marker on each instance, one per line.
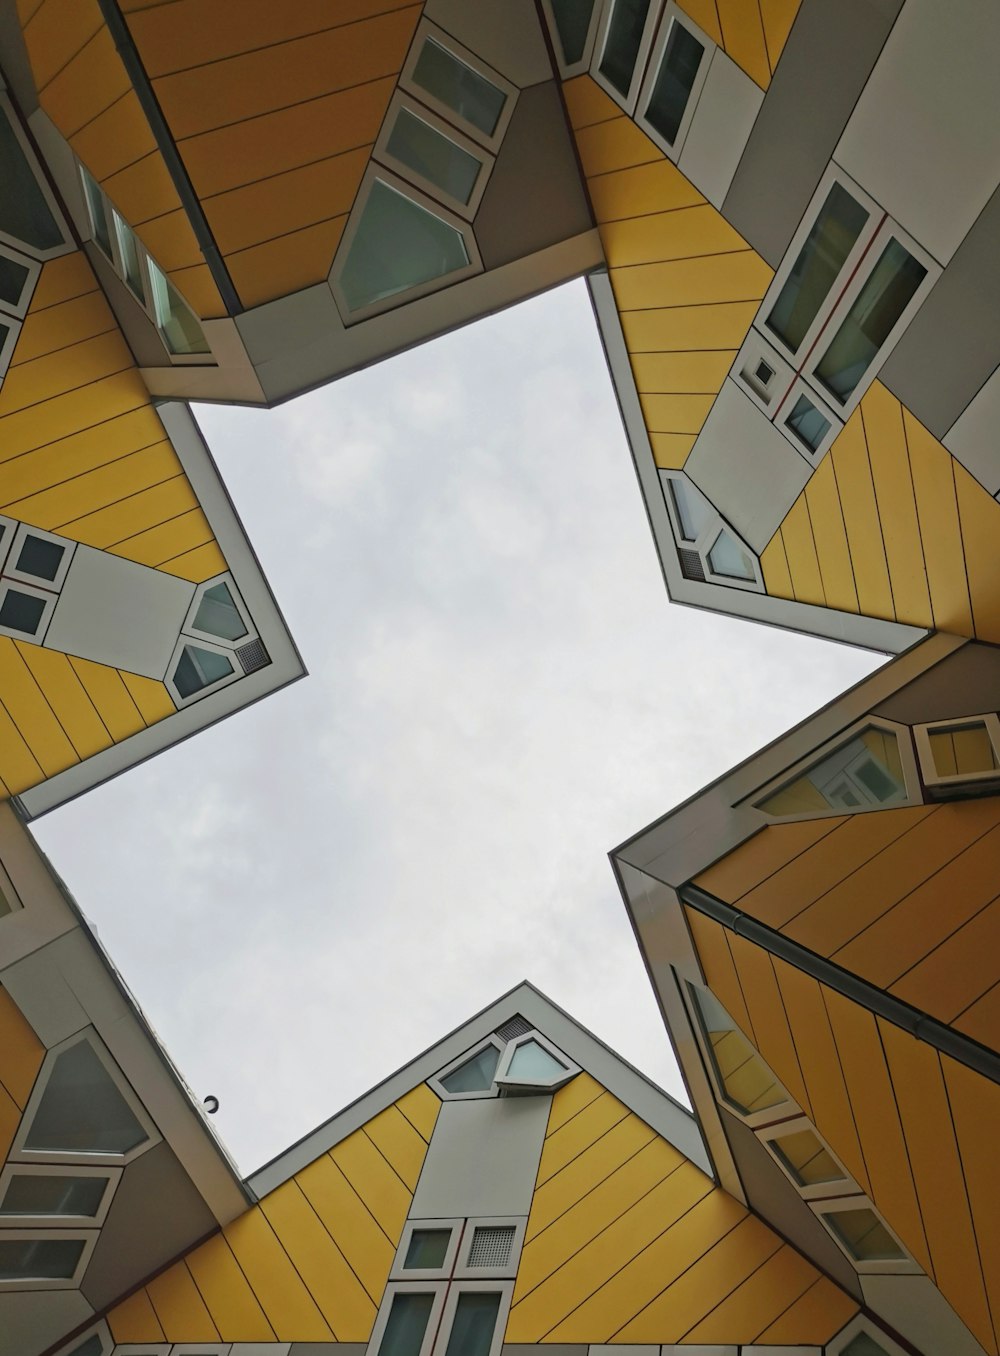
(967, 683)
(828, 57)
(952, 345)
(535, 196)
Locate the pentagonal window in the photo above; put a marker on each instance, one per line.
(532, 1064)
(218, 614)
(198, 668)
(82, 1110)
(475, 1074)
(744, 1080)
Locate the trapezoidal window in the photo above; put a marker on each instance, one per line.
(960, 757)
(865, 772)
(744, 1080)
(50, 1261)
(55, 1193)
(27, 215)
(671, 88)
(457, 88)
(472, 1074)
(198, 669)
(571, 23)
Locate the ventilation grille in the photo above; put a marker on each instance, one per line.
(491, 1246)
(253, 656)
(517, 1026)
(691, 566)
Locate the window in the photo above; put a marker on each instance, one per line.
(218, 613)
(177, 324)
(472, 1074)
(33, 568)
(18, 276)
(678, 66)
(865, 771)
(862, 1235)
(198, 668)
(860, 1338)
(805, 1158)
(54, 1260)
(532, 1064)
(458, 86)
(743, 1079)
(427, 1249)
(29, 1193)
(471, 1315)
(218, 642)
(97, 1342)
(623, 45)
(434, 156)
(571, 23)
(959, 756)
(716, 554)
(29, 218)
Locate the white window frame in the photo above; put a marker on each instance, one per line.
(7, 109)
(628, 101)
(925, 754)
(437, 1081)
(89, 1238)
(10, 893)
(581, 67)
(859, 1326)
(48, 598)
(482, 1287)
(439, 1291)
(712, 576)
(112, 1176)
(400, 1272)
(19, 1154)
(10, 343)
(462, 1270)
(427, 30)
(202, 643)
(188, 627)
(769, 1135)
(450, 132)
(406, 295)
(755, 350)
(835, 1205)
(11, 572)
(19, 308)
(778, 1115)
(528, 1085)
(673, 14)
(800, 387)
(708, 536)
(100, 1330)
(907, 759)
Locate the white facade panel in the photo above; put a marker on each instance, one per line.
(973, 438)
(720, 128)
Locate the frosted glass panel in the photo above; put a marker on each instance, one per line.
(533, 1063)
(40, 1194)
(572, 22)
(39, 1258)
(727, 557)
(427, 1249)
(218, 615)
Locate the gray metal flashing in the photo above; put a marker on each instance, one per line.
(655, 1106)
(150, 105)
(847, 627)
(286, 664)
(945, 1039)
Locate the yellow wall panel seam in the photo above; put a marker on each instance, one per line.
(196, 565)
(217, 1250)
(285, 235)
(128, 721)
(434, 1103)
(366, 1249)
(611, 1109)
(21, 1052)
(35, 656)
(28, 706)
(276, 1281)
(134, 1320)
(43, 86)
(719, 1322)
(189, 1324)
(19, 767)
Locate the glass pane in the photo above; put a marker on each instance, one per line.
(533, 1062)
(727, 557)
(746, 1080)
(693, 513)
(90, 1346)
(39, 1258)
(806, 1159)
(95, 206)
(866, 770)
(476, 1074)
(13, 277)
(406, 1325)
(198, 668)
(868, 324)
(474, 1324)
(834, 234)
(864, 1235)
(427, 1249)
(21, 611)
(863, 1345)
(40, 557)
(459, 87)
(963, 750)
(675, 81)
(180, 330)
(621, 47)
(81, 1110)
(434, 156)
(24, 213)
(808, 425)
(38, 1194)
(218, 615)
(572, 22)
(398, 245)
(129, 251)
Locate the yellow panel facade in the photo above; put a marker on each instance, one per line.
(754, 36)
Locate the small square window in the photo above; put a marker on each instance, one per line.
(427, 1249)
(36, 557)
(53, 1260)
(21, 612)
(40, 556)
(863, 1234)
(466, 92)
(764, 373)
(959, 756)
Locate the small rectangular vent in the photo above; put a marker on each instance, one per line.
(691, 566)
(491, 1246)
(253, 656)
(517, 1026)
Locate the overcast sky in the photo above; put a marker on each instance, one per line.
(305, 896)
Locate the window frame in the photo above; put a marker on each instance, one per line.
(779, 1114)
(403, 297)
(11, 572)
(907, 758)
(462, 1270)
(930, 776)
(380, 152)
(436, 1082)
(48, 598)
(9, 344)
(670, 15)
(401, 1273)
(101, 1330)
(800, 387)
(626, 102)
(770, 1134)
(707, 537)
(438, 1289)
(19, 309)
(188, 627)
(582, 66)
(478, 1287)
(89, 1238)
(861, 1326)
(426, 29)
(19, 1154)
(201, 642)
(754, 350)
(835, 1205)
(526, 1086)
(58, 216)
(111, 1175)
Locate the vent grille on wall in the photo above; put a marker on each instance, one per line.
(517, 1026)
(691, 566)
(491, 1246)
(253, 656)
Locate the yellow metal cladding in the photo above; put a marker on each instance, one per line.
(83, 87)
(627, 1241)
(274, 109)
(908, 899)
(21, 1055)
(751, 34)
(310, 1262)
(686, 284)
(917, 1130)
(890, 525)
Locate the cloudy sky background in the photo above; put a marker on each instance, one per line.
(307, 895)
